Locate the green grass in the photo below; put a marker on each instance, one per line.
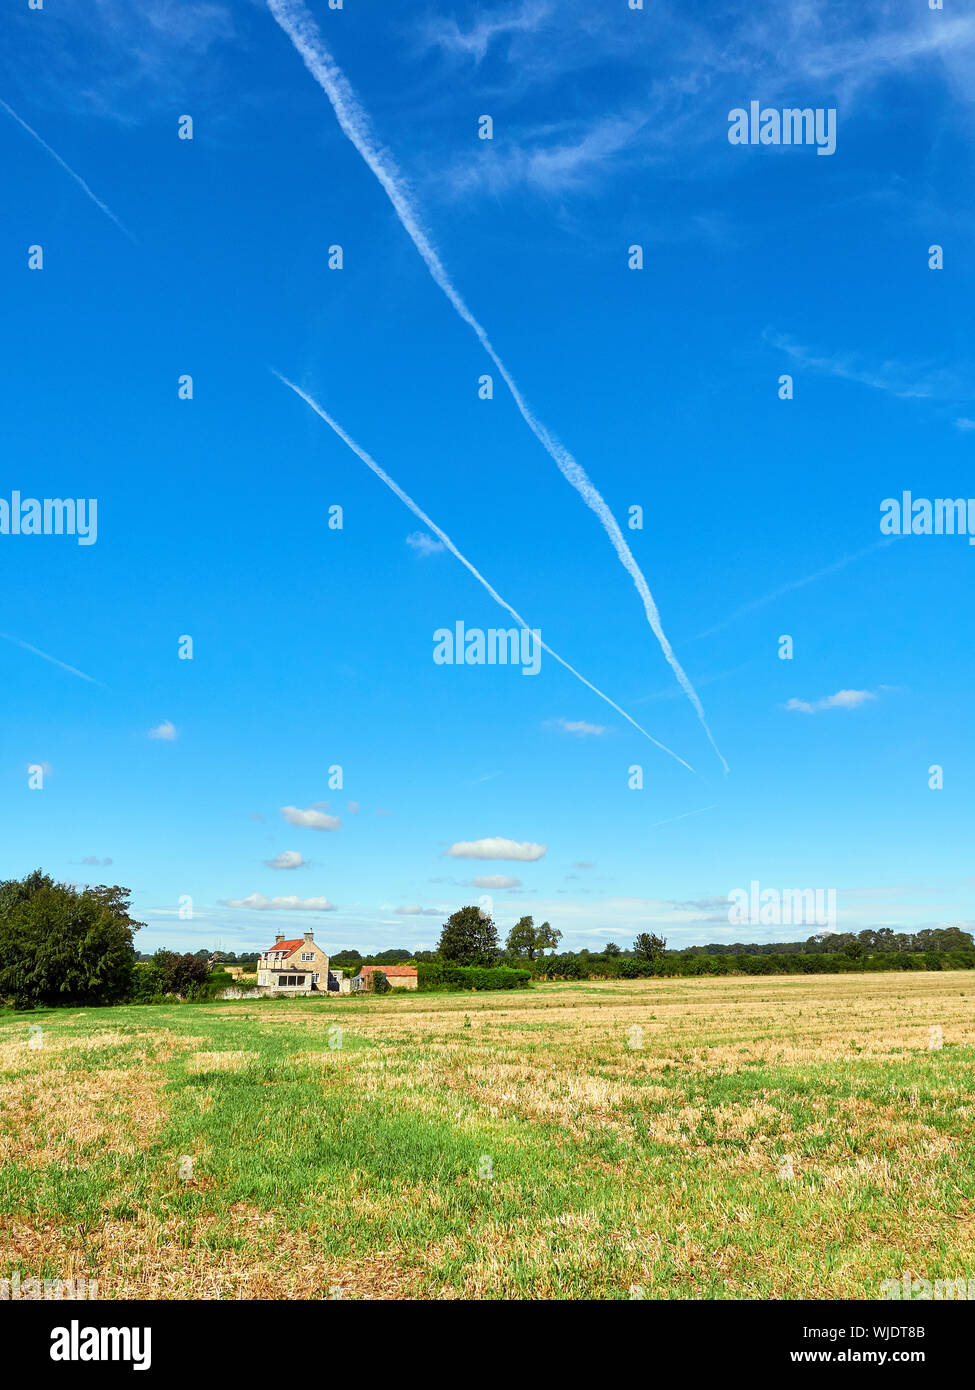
(499, 1146)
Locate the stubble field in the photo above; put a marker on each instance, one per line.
(738, 1138)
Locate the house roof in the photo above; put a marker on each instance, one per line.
(287, 946)
(390, 969)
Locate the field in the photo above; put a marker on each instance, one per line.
(593, 1140)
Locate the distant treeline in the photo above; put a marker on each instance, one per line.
(589, 966)
(60, 944)
(880, 939)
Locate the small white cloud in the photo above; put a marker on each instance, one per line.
(963, 423)
(165, 731)
(496, 881)
(260, 903)
(843, 699)
(353, 807)
(287, 859)
(414, 911)
(311, 819)
(496, 848)
(423, 543)
(94, 859)
(579, 727)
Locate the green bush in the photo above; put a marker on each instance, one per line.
(437, 975)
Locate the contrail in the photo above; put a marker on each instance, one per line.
(445, 540)
(298, 24)
(67, 167)
(670, 820)
(37, 652)
(788, 588)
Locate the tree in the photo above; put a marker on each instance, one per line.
(64, 945)
(648, 946)
(178, 974)
(522, 938)
(380, 984)
(528, 941)
(547, 938)
(469, 937)
(612, 949)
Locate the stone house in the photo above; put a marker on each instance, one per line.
(293, 967)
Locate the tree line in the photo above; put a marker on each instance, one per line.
(60, 944)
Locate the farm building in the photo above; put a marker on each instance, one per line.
(399, 976)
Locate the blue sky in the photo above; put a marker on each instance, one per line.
(313, 647)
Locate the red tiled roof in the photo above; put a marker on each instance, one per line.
(391, 969)
(287, 946)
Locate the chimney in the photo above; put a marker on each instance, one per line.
(279, 936)
(310, 937)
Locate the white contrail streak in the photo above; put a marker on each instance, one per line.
(788, 588)
(37, 652)
(67, 168)
(445, 540)
(670, 820)
(298, 24)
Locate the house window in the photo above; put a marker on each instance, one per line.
(308, 955)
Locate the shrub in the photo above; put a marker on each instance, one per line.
(439, 975)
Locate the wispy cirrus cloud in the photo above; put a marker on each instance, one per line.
(561, 159)
(906, 381)
(486, 27)
(578, 727)
(122, 60)
(679, 73)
